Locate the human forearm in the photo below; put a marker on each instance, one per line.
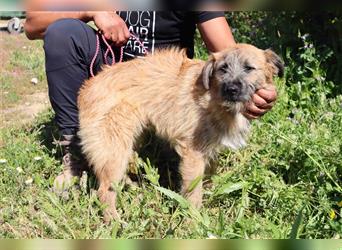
(38, 21)
(216, 34)
(108, 22)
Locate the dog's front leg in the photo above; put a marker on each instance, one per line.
(192, 170)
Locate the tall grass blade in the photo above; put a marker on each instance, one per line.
(296, 225)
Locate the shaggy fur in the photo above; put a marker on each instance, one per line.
(197, 106)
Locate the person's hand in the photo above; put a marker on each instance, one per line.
(262, 101)
(112, 27)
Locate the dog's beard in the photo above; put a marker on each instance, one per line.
(236, 107)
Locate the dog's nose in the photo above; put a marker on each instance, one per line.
(232, 90)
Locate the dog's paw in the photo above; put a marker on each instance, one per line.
(110, 214)
(194, 198)
(196, 202)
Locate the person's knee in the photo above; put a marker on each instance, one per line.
(66, 42)
(60, 32)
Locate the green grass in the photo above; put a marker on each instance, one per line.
(285, 184)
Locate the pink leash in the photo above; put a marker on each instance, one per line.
(110, 50)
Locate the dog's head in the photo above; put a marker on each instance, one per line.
(236, 73)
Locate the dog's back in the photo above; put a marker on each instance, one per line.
(132, 78)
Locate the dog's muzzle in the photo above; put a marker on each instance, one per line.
(233, 91)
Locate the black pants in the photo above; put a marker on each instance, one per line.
(69, 46)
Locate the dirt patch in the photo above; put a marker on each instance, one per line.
(25, 112)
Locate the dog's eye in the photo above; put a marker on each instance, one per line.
(248, 68)
(223, 68)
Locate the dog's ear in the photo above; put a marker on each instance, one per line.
(207, 72)
(275, 61)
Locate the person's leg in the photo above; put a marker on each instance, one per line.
(69, 46)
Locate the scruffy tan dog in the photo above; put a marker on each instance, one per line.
(197, 106)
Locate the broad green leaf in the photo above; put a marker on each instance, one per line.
(180, 199)
(230, 187)
(194, 183)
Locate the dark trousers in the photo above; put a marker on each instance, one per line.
(69, 46)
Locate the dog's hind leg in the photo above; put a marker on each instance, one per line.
(191, 168)
(109, 151)
(111, 174)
